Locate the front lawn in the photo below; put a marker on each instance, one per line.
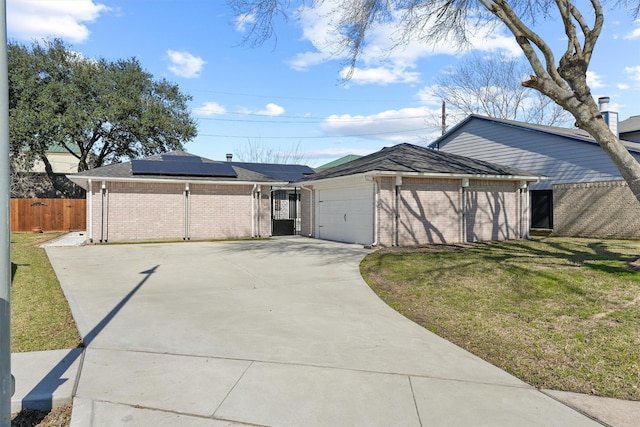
(558, 313)
(40, 315)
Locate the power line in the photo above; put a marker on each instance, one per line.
(313, 137)
(306, 120)
(299, 98)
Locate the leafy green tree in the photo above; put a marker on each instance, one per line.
(110, 110)
(560, 76)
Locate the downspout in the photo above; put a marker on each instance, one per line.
(103, 214)
(310, 210)
(375, 208)
(253, 210)
(523, 189)
(271, 211)
(463, 209)
(90, 208)
(397, 212)
(296, 231)
(187, 193)
(259, 203)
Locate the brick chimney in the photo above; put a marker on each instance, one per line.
(610, 117)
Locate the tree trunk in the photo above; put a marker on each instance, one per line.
(60, 183)
(596, 126)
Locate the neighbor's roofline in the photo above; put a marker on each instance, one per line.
(527, 127)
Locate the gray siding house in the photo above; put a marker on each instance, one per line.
(584, 195)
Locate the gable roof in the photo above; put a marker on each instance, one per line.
(170, 167)
(408, 159)
(575, 134)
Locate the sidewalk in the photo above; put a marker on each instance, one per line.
(30, 369)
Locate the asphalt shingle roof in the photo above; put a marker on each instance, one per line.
(632, 124)
(410, 158)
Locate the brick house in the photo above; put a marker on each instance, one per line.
(179, 196)
(584, 195)
(402, 195)
(408, 195)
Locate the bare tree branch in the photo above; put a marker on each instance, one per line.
(564, 80)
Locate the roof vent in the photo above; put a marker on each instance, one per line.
(229, 157)
(610, 117)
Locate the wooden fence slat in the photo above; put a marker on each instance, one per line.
(48, 214)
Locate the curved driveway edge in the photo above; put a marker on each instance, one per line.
(280, 332)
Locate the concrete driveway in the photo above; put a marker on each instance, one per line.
(281, 332)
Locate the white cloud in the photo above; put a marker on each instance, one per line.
(37, 19)
(304, 61)
(209, 109)
(635, 33)
(623, 86)
(185, 64)
(415, 125)
(594, 80)
(271, 110)
(427, 96)
(243, 20)
(384, 60)
(633, 72)
(380, 75)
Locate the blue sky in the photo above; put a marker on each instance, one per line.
(288, 94)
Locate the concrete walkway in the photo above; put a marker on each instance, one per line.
(272, 333)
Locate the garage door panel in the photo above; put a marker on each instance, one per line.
(346, 214)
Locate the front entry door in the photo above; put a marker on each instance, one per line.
(284, 212)
(542, 209)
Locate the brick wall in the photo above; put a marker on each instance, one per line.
(219, 211)
(596, 209)
(156, 211)
(493, 210)
(386, 211)
(431, 211)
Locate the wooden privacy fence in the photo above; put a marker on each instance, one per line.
(48, 214)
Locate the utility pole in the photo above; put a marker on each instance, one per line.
(6, 381)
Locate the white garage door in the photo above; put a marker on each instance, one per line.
(345, 214)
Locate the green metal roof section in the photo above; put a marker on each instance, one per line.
(338, 162)
(56, 148)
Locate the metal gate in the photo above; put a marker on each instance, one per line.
(284, 213)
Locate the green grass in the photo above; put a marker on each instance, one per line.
(560, 314)
(40, 315)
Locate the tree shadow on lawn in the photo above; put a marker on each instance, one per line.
(592, 255)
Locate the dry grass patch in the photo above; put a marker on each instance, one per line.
(558, 313)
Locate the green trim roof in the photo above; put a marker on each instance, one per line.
(338, 162)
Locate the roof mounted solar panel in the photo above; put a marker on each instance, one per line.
(281, 172)
(174, 158)
(182, 168)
